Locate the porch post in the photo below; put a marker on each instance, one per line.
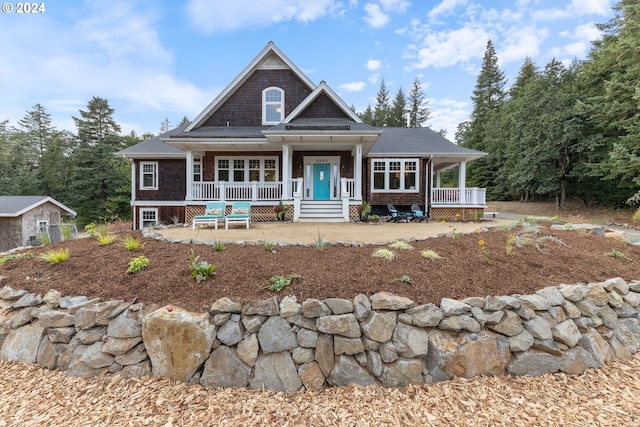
(286, 171)
(462, 176)
(189, 179)
(357, 170)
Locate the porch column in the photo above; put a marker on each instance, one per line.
(189, 180)
(462, 177)
(286, 171)
(357, 170)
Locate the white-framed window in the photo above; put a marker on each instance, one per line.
(43, 226)
(395, 175)
(246, 169)
(197, 171)
(272, 105)
(148, 175)
(148, 217)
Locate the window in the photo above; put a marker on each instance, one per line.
(43, 226)
(148, 217)
(149, 175)
(272, 106)
(246, 169)
(395, 175)
(197, 171)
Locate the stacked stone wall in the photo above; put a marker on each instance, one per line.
(285, 345)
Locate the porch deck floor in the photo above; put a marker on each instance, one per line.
(307, 232)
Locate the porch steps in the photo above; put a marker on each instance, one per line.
(321, 211)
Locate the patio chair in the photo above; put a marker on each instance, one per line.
(213, 211)
(240, 214)
(397, 216)
(418, 214)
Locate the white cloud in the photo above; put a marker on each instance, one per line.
(218, 16)
(446, 7)
(575, 9)
(446, 113)
(375, 16)
(398, 6)
(448, 48)
(520, 42)
(352, 87)
(373, 64)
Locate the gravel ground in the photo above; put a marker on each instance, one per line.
(604, 397)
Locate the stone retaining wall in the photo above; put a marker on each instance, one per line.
(288, 346)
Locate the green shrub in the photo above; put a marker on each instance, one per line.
(384, 253)
(218, 246)
(200, 270)
(403, 279)
(619, 255)
(320, 243)
(278, 283)
(106, 239)
(399, 244)
(137, 264)
(44, 237)
(10, 257)
(636, 216)
(55, 256)
(430, 255)
(132, 244)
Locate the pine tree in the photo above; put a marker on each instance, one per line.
(488, 96)
(381, 110)
(418, 105)
(367, 115)
(165, 126)
(397, 111)
(96, 122)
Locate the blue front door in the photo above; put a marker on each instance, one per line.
(321, 181)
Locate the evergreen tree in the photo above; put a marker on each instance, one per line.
(367, 115)
(488, 96)
(184, 121)
(398, 110)
(165, 126)
(96, 122)
(383, 106)
(419, 112)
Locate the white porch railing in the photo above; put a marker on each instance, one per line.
(255, 191)
(451, 196)
(348, 187)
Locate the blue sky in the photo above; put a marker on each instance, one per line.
(168, 59)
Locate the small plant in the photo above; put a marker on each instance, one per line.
(455, 235)
(364, 210)
(281, 211)
(67, 230)
(619, 255)
(485, 253)
(511, 251)
(430, 255)
(218, 246)
(137, 264)
(91, 229)
(399, 244)
(384, 253)
(636, 216)
(10, 257)
(105, 240)
(55, 256)
(44, 237)
(403, 279)
(200, 270)
(278, 283)
(132, 244)
(268, 246)
(320, 243)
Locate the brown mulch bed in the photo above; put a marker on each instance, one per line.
(242, 272)
(605, 397)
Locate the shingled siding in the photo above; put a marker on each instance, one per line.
(171, 181)
(244, 107)
(398, 199)
(346, 162)
(322, 107)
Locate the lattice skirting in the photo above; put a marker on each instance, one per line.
(463, 214)
(353, 212)
(258, 213)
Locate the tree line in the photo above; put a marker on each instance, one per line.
(79, 170)
(563, 130)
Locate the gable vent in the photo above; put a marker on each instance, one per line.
(272, 63)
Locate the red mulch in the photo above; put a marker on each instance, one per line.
(339, 272)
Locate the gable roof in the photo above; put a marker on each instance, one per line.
(13, 206)
(323, 88)
(419, 142)
(269, 58)
(155, 147)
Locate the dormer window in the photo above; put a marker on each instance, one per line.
(272, 106)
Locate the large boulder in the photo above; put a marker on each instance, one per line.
(178, 342)
(21, 345)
